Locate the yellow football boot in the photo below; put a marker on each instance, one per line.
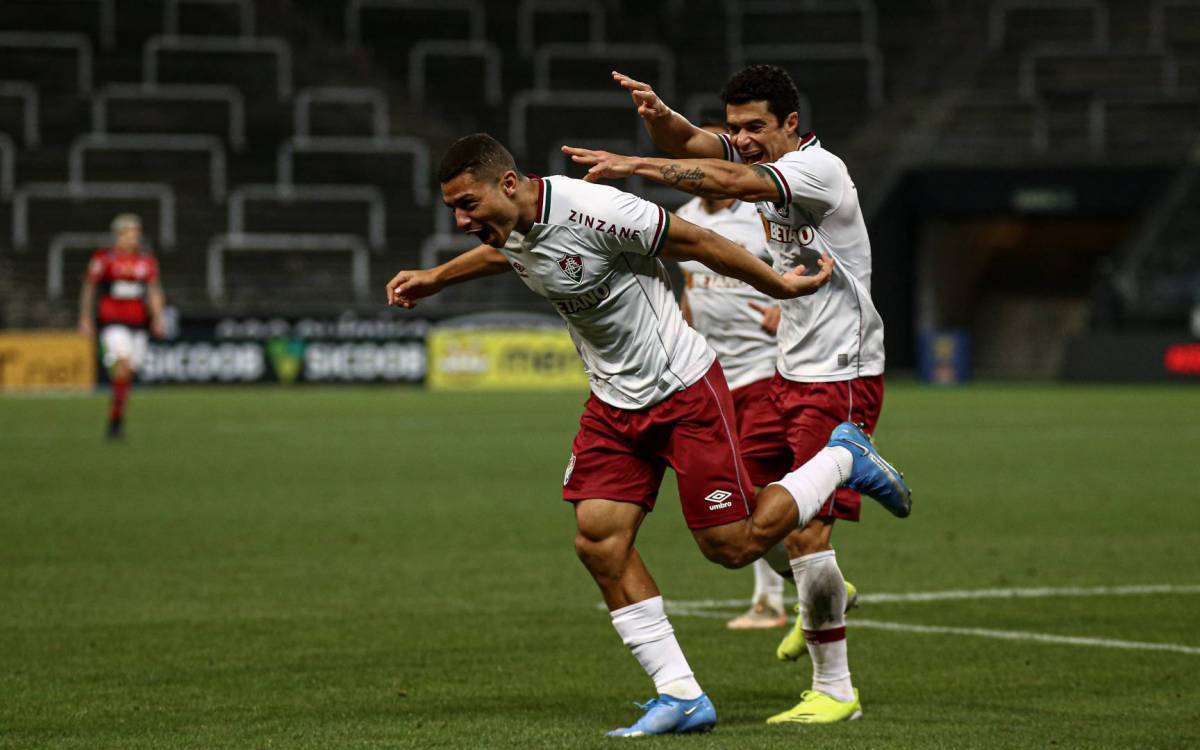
(818, 708)
(792, 646)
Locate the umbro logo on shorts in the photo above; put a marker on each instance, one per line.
(718, 499)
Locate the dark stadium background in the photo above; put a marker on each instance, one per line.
(1027, 169)
(305, 563)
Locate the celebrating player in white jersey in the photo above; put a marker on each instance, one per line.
(658, 395)
(739, 323)
(831, 343)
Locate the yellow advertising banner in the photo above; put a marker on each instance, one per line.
(503, 360)
(46, 360)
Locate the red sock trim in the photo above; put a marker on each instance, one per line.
(825, 636)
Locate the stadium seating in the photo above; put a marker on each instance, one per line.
(177, 103)
(25, 93)
(295, 205)
(288, 106)
(219, 246)
(175, 14)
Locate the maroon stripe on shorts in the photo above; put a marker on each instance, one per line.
(825, 636)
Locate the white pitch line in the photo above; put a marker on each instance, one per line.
(938, 596)
(1021, 635)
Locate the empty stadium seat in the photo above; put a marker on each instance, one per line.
(309, 208)
(176, 108)
(544, 21)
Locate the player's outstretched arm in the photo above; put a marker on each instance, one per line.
(686, 241)
(87, 300)
(708, 178)
(158, 304)
(407, 287)
(670, 131)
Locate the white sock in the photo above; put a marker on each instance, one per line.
(768, 585)
(644, 628)
(812, 484)
(822, 591)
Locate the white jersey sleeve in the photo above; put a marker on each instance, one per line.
(592, 253)
(622, 222)
(813, 185)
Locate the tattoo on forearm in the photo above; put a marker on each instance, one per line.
(674, 175)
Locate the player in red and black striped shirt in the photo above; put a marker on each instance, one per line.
(131, 302)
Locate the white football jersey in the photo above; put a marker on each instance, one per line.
(836, 333)
(593, 253)
(720, 305)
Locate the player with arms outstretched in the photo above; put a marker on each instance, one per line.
(658, 395)
(831, 343)
(131, 301)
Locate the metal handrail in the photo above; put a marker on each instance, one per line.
(356, 145)
(368, 194)
(868, 53)
(148, 142)
(56, 40)
(58, 246)
(174, 92)
(97, 190)
(664, 83)
(221, 244)
(529, 8)
(998, 18)
(376, 98)
(276, 46)
(522, 101)
(30, 108)
(245, 14)
(421, 51)
(475, 10)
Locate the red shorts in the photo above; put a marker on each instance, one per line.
(810, 411)
(620, 454)
(760, 431)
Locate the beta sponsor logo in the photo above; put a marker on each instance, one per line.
(801, 235)
(585, 301)
(719, 500)
(601, 225)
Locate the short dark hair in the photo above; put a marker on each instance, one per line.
(479, 153)
(769, 83)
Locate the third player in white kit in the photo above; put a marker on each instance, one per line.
(739, 323)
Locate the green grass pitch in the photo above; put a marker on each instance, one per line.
(370, 568)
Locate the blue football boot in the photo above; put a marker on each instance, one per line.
(870, 474)
(667, 715)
